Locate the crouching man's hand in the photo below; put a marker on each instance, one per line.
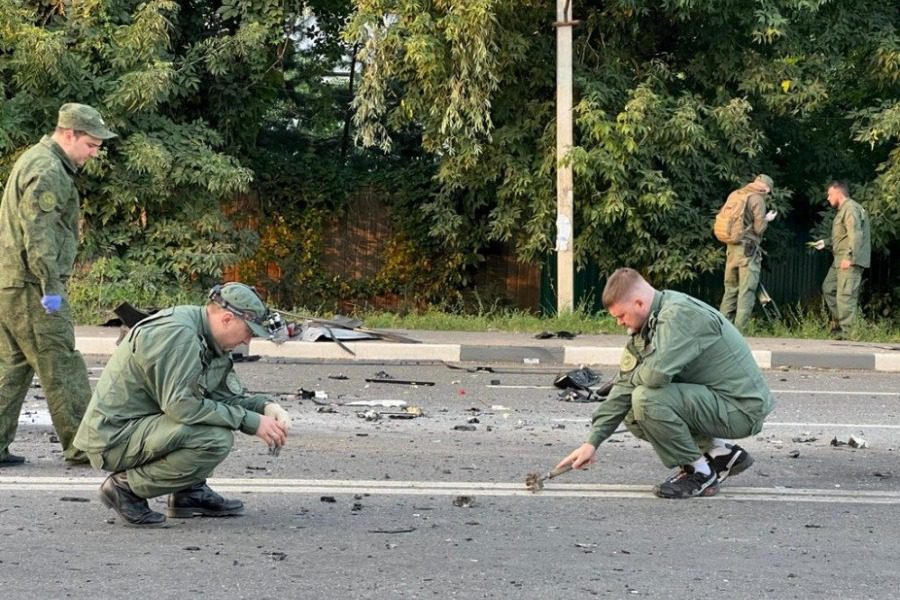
(271, 431)
(279, 414)
(582, 456)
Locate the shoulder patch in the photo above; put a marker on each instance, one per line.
(47, 201)
(628, 361)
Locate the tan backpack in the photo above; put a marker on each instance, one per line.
(729, 227)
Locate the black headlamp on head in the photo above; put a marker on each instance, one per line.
(274, 326)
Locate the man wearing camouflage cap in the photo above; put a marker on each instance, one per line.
(39, 217)
(168, 402)
(743, 257)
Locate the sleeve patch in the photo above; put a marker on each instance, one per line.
(47, 201)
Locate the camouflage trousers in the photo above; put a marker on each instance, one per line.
(741, 281)
(680, 420)
(162, 456)
(32, 340)
(841, 291)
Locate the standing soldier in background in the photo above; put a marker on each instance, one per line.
(39, 218)
(851, 245)
(740, 225)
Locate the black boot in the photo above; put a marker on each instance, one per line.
(200, 500)
(115, 493)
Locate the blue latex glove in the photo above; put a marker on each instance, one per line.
(51, 304)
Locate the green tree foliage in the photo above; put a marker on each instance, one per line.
(185, 84)
(677, 103)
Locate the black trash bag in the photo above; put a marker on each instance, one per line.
(577, 395)
(577, 379)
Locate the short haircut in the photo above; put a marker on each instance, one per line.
(620, 285)
(841, 186)
(77, 132)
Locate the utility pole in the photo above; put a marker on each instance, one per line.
(565, 239)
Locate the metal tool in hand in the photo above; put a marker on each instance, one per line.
(535, 481)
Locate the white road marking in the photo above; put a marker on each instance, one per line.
(779, 424)
(807, 392)
(466, 488)
(835, 393)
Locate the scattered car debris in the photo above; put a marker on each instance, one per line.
(382, 403)
(464, 428)
(73, 499)
(275, 555)
(369, 415)
(464, 501)
(578, 386)
(563, 335)
(392, 531)
(794, 454)
(338, 376)
(398, 381)
(405, 412)
(306, 394)
(580, 379)
(852, 441)
(855, 442)
(326, 408)
(327, 499)
(804, 438)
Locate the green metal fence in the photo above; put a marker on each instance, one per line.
(792, 280)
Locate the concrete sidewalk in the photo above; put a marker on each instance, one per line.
(494, 347)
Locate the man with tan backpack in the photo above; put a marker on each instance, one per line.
(740, 224)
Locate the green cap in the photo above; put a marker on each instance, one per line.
(82, 117)
(243, 301)
(766, 180)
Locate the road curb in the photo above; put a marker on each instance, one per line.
(528, 355)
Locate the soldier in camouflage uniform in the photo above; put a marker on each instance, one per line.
(743, 260)
(851, 245)
(686, 382)
(168, 402)
(39, 217)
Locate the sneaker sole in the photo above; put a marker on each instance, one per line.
(710, 490)
(738, 467)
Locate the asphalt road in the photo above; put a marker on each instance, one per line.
(416, 508)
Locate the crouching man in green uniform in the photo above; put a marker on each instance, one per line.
(686, 382)
(166, 406)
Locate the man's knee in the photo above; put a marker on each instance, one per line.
(646, 400)
(214, 442)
